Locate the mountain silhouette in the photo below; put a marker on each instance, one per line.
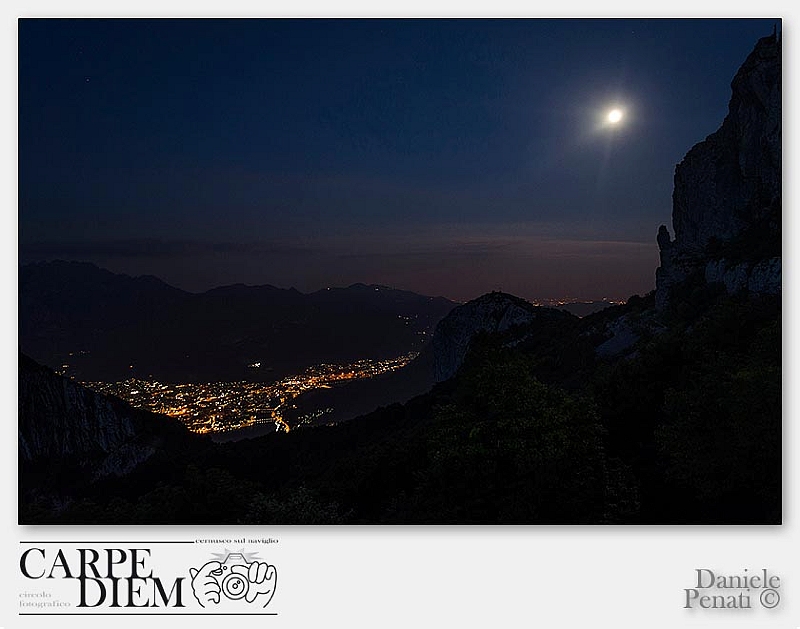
(109, 327)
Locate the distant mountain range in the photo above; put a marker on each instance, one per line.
(96, 325)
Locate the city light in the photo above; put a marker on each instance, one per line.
(224, 406)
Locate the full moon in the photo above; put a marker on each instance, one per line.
(614, 116)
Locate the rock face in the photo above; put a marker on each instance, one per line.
(761, 278)
(60, 420)
(727, 192)
(492, 312)
(624, 337)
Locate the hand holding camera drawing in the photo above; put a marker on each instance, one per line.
(235, 578)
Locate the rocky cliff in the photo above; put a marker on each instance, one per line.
(61, 421)
(727, 197)
(493, 312)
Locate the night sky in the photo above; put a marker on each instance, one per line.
(449, 157)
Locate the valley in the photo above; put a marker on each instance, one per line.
(224, 407)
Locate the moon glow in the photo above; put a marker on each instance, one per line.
(614, 116)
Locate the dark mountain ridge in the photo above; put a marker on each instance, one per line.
(109, 327)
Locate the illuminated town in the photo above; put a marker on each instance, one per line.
(225, 406)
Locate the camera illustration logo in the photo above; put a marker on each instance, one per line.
(239, 577)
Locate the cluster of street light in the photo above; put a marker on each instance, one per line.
(225, 406)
